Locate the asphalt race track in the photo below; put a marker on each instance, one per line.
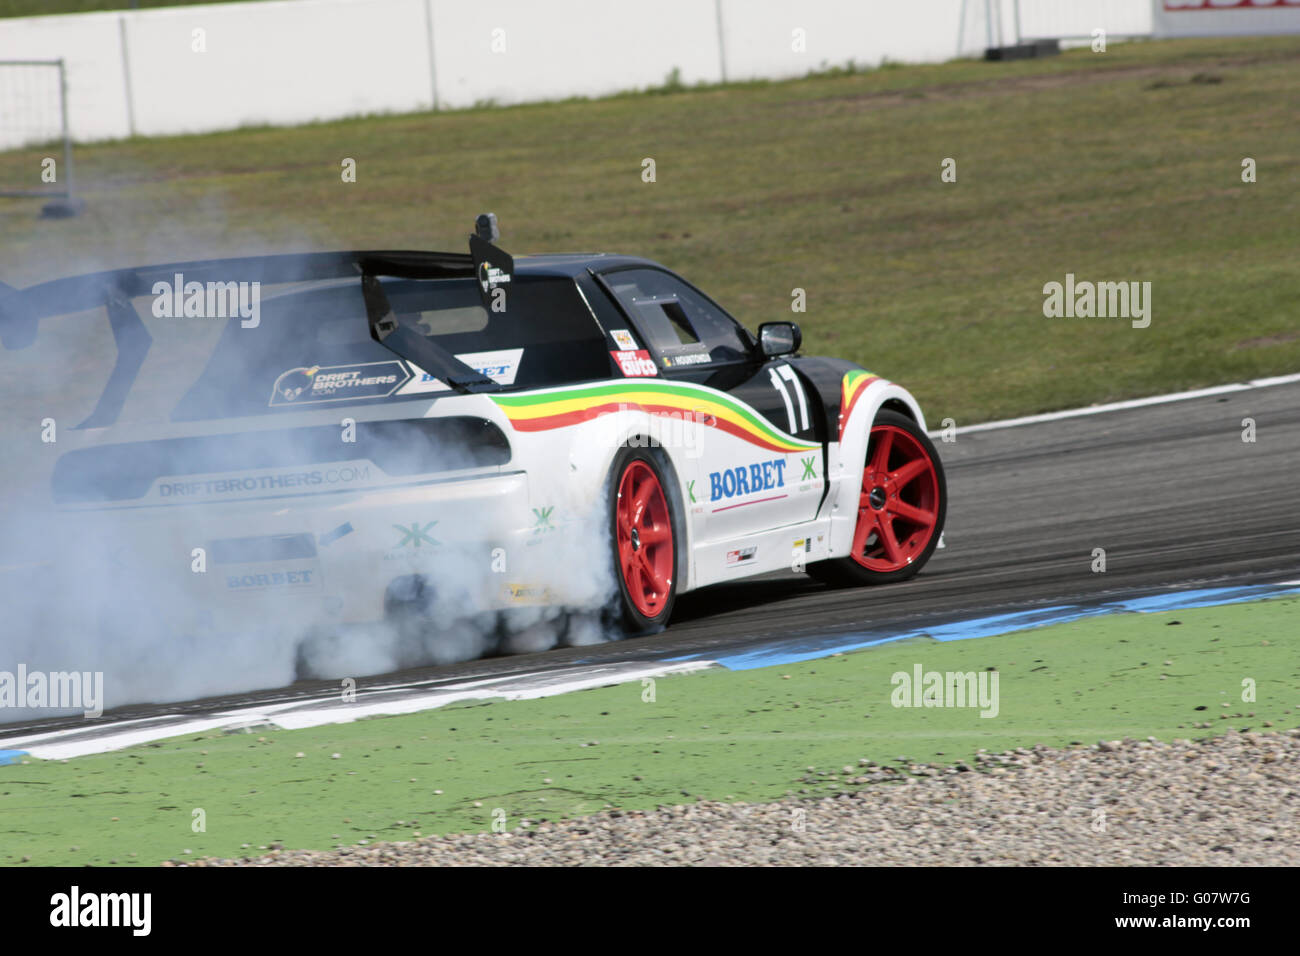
(1171, 492)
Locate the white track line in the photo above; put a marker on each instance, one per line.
(295, 715)
(1120, 406)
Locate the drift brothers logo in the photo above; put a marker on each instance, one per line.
(294, 382)
(332, 383)
(489, 276)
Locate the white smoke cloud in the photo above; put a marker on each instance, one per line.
(88, 589)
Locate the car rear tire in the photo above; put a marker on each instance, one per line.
(902, 504)
(647, 537)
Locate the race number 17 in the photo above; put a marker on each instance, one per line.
(780, 376)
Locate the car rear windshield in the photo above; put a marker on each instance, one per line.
(313, 348)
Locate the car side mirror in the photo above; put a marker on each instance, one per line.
(779, 338)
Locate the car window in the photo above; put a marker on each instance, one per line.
(314, 346)
(680, 325)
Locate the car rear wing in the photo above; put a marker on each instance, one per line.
(21, 310)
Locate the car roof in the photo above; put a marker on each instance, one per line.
(21, 309)
(574, 263)
(568, 265)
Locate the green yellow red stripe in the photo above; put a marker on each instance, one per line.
(852, 386)
(558, 408)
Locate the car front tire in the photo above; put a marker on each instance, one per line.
(902, 504)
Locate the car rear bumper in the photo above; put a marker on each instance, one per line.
(315, 559)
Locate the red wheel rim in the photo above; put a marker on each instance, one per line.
(899, 501)
(645, 539)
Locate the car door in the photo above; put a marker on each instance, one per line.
(761, 465)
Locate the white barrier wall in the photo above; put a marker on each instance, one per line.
(786, 38)
(222, 66)
(513, 51)
(1200, 18)
(275, 63)
(1079, 18)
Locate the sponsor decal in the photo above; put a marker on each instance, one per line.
(500, 365)
(690, 490)
(270, 579)
(489, 276)
(695, 358)
(623, 338)
(338, 383)
(801, 544)
(809, 468)
(526, 593)
(416, 534)
(741, 555)
(573, 405)
(209, 487)
(542, 519)
(747, 479)
(416, 546)
(635, 364)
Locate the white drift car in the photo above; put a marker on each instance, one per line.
(423, 436)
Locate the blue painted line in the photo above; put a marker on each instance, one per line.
(329, 537)
(11, 756)
(816, 647)
(1205, 597)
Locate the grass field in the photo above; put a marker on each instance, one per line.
(1123, 166)
(747, 736)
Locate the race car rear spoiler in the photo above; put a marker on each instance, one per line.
(22, 309)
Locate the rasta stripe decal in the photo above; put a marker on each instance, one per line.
(852, 386)
(557, 408)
